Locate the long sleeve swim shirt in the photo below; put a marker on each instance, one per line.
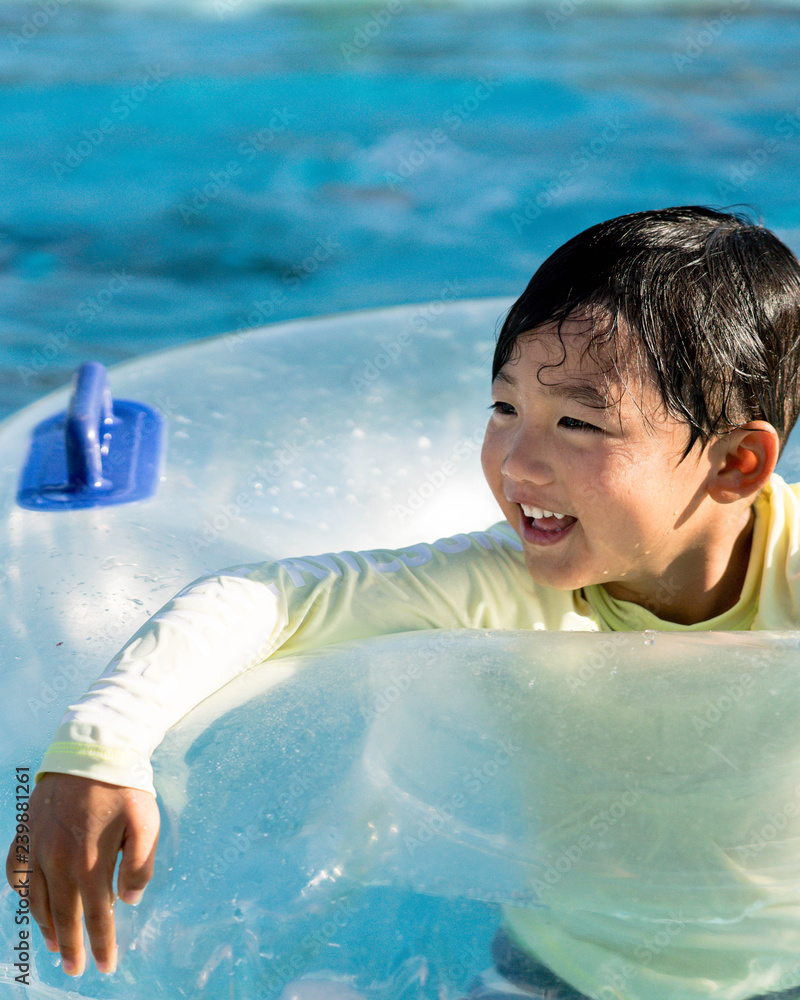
(225, 623)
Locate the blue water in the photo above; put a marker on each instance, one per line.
(171, 174)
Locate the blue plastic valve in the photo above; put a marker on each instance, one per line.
(99, 452)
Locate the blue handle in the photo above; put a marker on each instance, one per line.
(102, 451)
(88, 426)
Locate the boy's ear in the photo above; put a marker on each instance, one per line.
(747, 458)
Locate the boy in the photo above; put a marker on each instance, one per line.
(644, 385)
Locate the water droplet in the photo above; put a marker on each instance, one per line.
(650, 637)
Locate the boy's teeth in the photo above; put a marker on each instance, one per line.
(536, 512)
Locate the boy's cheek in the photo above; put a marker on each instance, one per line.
(620, 477)
(490, 463)
(596, 489)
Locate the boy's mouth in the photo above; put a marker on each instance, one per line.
(545, 525)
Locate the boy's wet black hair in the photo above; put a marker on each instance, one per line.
(714, 299)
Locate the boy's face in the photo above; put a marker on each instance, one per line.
(635, 520)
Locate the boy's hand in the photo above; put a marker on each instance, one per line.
(77, 828)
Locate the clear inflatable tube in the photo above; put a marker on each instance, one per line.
(368, 814)
(652, 779)
(472, 763)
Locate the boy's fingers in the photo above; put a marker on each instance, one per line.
(137, 840)
(29, 880)
(40, 909)
(50, 939)
(98, 914)
(66, 912)
(94, 901)
(139, 851)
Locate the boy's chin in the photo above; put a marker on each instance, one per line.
(554, 579)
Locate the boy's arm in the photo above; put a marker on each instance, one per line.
(209, 633)
(94, 797)
(222, 625)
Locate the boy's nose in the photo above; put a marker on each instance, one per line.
(524, 463)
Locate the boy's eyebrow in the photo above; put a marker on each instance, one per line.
(580, 392)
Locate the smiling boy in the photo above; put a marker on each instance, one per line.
(643, 387)
(591, 474)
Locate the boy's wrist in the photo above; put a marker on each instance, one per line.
(98, 763)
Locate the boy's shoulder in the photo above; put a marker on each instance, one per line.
(779, 498)
(775, 555)
(778, 507)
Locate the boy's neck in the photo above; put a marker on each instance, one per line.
(712, 581)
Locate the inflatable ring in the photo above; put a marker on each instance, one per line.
(369, 813)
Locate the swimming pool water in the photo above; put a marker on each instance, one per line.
(172, 174)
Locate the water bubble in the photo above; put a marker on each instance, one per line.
(650, 637)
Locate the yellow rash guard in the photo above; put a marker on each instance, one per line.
(224, 624)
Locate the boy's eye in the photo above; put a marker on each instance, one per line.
(505, 408)
(578, 425)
